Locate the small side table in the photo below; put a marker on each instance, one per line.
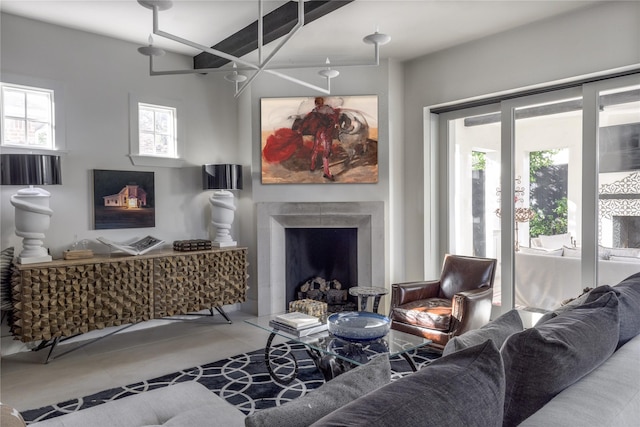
(364, 292)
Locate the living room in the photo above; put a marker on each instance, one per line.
(98, 76)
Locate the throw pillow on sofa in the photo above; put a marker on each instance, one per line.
(465, 388)
(542, 361)
(328, 397)
(497, 331)
(628, 293)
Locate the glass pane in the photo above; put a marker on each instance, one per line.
(39, 107)
(14, 103)
(547, 202)
(164, 122)
(475, 146)
(14, 132)
(39, 134)
(619, 185)
(147, 145)
(162, 145)
(159, 124)
(145, 120)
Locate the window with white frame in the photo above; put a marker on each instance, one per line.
(27, 117)
(157, 131)
(156, 139)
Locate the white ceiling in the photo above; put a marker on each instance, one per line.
(416, 27)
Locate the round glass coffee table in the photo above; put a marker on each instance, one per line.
(365, 292)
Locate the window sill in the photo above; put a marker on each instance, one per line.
(164, 162)
(11, 149)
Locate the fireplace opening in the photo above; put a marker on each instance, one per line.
(626, 231)
(324, 260)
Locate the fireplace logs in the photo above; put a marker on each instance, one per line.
(330, 291)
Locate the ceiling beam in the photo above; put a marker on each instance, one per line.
(275, 24)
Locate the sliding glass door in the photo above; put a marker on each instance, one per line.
(547, 184)
(618, 197)
(547, 201)
(474, 177)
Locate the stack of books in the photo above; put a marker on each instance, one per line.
(298, 324)
(192, 245)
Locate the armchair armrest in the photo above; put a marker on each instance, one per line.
(470, 310)
(402, 293)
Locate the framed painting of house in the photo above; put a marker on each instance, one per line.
(322, 140)
(123, 199)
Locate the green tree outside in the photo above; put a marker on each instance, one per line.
(547, 223)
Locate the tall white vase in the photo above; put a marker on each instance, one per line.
(222, 212)
(33, 217)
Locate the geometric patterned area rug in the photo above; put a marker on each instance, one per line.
(241, 380)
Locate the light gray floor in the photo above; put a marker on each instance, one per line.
(121, 359)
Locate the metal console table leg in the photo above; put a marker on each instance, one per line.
(53, 343)
(222, 312)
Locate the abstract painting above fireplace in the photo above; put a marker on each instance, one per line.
(324, 139)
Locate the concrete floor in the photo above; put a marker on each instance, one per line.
(141, 352)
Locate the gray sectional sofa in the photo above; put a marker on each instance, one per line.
(579, 365)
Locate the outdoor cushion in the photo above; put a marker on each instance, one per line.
(542, 251)
(465, 388)
(497, 331)
(542, 361)
(328, 397)
(555, 241)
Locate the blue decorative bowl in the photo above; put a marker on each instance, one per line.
(358, 325)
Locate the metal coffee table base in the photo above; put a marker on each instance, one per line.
(329, 365)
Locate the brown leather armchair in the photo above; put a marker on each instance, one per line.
(440, 309)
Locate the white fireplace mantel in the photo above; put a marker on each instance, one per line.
(275, 217)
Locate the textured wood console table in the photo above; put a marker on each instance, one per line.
(69, 297)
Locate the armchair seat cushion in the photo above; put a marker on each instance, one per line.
(431, 313)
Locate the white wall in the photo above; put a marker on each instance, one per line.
(595, 39)
(97, 75)
(352, 81)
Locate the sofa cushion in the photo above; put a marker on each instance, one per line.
(542, 361)
(608, 396)
(497, 331)
(465, 388)
(628, 293)
(328, 397)
(187, 400)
